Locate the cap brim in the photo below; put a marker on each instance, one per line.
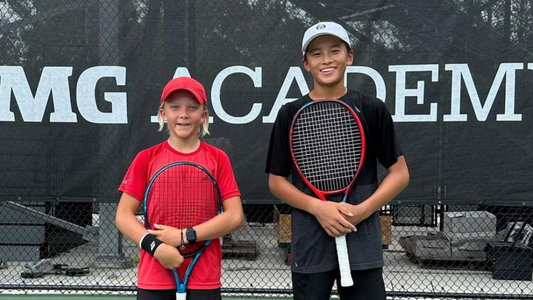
(314, 36)
(192, 91)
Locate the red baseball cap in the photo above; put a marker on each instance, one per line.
(188, 84)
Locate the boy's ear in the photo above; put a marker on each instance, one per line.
(306, 65)
(349, 62)
(163, 115)
(204, 117)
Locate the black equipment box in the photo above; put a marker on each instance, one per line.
(510, 260)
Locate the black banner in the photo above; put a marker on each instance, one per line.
(80, 83)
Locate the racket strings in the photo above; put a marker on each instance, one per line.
(327, 145)
(182, 196)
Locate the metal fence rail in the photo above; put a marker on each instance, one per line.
(462, 255)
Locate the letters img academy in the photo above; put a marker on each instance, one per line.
(54, 86)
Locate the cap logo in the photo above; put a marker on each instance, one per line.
(321, 26)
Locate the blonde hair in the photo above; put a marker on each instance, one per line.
(202, 131)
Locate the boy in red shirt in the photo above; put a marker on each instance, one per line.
(184, 108)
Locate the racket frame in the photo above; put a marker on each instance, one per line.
(321, 194)
(181, 286)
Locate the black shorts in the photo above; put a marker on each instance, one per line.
(171, 294)
(368, 285)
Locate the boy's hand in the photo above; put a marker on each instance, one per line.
(167, 234)
(168, 256)
(355, 213)
(331, 216)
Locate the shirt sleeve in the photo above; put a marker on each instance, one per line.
(226, 178)
(136, 179)
(386, 143)
(279, 157)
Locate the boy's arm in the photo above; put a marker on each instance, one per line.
(394, 182)
(128, 224)
(231, 218)
(125, 219)
(329, 214)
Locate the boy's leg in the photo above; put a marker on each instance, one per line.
(204, 294)
(171, 294)
(156, 294)
(315, 286)
(368, 285)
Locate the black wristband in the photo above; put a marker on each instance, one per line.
(150, 244)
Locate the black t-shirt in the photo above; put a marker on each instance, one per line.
(309, 241)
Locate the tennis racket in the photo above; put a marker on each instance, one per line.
(328, 147)
(182, 194)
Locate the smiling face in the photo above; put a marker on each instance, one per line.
(184, 115)
(326, 59)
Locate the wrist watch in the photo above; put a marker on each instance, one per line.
(191, 235)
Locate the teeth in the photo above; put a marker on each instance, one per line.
(328, 70)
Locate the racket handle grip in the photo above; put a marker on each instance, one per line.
(344, 262)
(181, 296)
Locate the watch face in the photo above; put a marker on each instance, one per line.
(191, 235)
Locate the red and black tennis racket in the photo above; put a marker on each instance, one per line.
(328, 147)
(182, 194)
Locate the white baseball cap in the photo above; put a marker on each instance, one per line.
(324, 28)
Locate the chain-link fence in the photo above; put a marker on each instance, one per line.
(79, 87)
(459, 251)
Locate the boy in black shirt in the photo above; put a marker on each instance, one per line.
(326, 53)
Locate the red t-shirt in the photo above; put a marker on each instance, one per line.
(206, 273)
